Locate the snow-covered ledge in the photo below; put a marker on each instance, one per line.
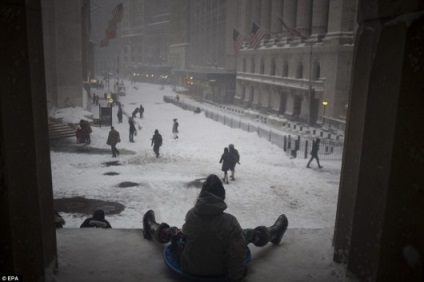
(124, 255)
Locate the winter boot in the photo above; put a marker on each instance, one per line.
(153, 230)
(276, 232)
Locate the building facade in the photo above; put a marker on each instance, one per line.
(304, 79)
(131, 53)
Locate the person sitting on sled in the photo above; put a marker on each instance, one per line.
(211, 242)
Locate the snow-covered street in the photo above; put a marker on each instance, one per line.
(267, 184)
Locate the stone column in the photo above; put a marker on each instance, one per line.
(27, 237)
(276, 11)
(380, 216)
(266, 15)
(290, 103)
(341, 18)
(304, 15)
(320, 17)
(248, 16)
(289, 16)
(256, 12)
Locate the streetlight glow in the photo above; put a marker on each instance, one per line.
(325, 103)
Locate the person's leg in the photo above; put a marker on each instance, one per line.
(162, 232)
(113, 151)
(116, 150)
(318, 161)
(232, 173)
(225, 177)
(310, 160)
(261, 235)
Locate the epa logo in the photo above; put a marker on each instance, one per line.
(11, 278)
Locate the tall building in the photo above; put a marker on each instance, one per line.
(208, 72)
(108, 48)
(304, 79)
(132, 36)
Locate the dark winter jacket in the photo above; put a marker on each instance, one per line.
(226, 160)
(132, 125)
(175, 127)
(235, 158)
(215, 243)
(315, 148)
(98, 221)
(113, 138)
(157, 140)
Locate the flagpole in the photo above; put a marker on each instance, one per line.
(310, 82)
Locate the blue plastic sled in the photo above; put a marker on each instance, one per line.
(173, 262)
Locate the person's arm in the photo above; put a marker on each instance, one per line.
(237, 252)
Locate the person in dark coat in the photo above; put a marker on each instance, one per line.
(212, 242)
(156, 142)
(226, 161)
(119, 115)
(133, 130)
(314, 153)
(235, 159)
(112, 140)
(85, 131)
(175, 128)
(141, 111)
(97, 220)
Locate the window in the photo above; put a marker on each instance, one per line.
(299, 70)
(262, 70)
(285, 69)
(317, 71)
(272, 72)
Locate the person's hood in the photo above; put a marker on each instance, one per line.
(209, 204)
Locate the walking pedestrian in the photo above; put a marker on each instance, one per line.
(226, 161)
(235, 159)
(119, 114)
(112, 140)
(156, 142)
(314, 153)
(175, 128)
(133, 130)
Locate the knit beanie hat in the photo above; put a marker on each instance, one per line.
(214, 185)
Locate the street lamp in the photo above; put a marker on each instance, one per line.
(324, 103)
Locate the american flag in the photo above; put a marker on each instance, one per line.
(292, 30)
(256, 35)
(117, 13)
(238, 41)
